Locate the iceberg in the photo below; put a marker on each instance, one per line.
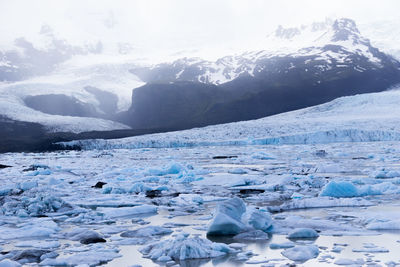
(231, 218)
(227, 220)
(299, 233)
(184, 247)
(339, 189)
(301, 253)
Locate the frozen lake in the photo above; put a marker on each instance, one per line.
(52, 210)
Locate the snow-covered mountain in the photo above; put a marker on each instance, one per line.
(333, 61)
(333, 44)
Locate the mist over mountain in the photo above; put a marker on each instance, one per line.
(113, 86)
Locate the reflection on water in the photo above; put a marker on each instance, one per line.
(264, 254)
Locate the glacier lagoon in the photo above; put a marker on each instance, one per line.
(48, 196)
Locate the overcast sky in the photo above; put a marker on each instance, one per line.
(177, 24)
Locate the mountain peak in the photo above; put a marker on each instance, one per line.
(345, 29)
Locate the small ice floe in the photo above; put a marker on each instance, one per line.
(231, 218)
(148, 231)
(85, 236)
(340, 189)
(303, 233)
(97, 255)
(9, 263)
(127, 211)
(344, 261)
(244, 256)
(385, 173)
(51, 244)
(385, 225)
(42, 227)
(184, 247)
(252, 235)
(301, 253)
(237, 171)
(371, 248)
(321, 202)
(281, 245)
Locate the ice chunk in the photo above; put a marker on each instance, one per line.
(147, 231)
(343, 261)
(231, 218)
(128, 211)
(252, 235)
(227, 219)
(173, 168)
(9, 263)
(39, 244)
(85, 236)
(27, 185)
(299, 233)
(388, 225)
(281, 245)
(258, 219)
(139, 188)
(321, 202)
(301, 253)
(238, 171)
(35, 228)
(339, 189)
(94, 257)
(184, 247)
(371, 248)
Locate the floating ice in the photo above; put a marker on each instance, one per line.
(128, 211)
(30, 229)
(371, 248)
(39, 244)
(281, 245)
(85, 236)
(9, 263)
(147, 231)
(96, 256)
(344, 261)
(321, 202)
(227, 219)
(299, 233)
(340, 189)
(387, 225)
(258, 219)
(301, 253)
(231, 218)
(139, 188)
(183, 247)
(252, 235)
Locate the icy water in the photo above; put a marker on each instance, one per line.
(47, 196)
(265, 255)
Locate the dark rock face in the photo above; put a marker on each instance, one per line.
(170, 105)
(58, 104)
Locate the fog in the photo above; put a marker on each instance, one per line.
(205, 28)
